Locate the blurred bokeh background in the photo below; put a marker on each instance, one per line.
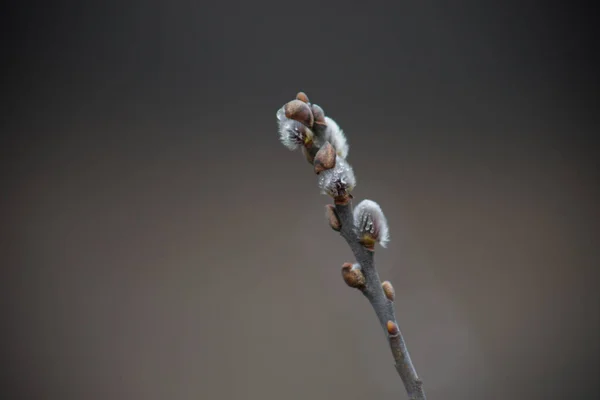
(158, 242)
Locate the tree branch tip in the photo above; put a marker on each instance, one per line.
(353, 276)
(392, 328)
(388, 290)
(302, 97)
(343, 200)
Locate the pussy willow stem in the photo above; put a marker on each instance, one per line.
(384, 308)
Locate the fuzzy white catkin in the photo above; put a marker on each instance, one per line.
(335, 135)
(289, 133)
(337, 180)
(369, 218)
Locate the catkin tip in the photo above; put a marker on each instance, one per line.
(302, 97)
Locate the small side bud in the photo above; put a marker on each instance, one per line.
(302, 97)
(388, 290)
(392, 328)
(293, 134)
(353, 276)
(371, 224)
(299, 111)
(332, 217)
(338, 181)
(325, 158)
(319, 115)
(335, 135)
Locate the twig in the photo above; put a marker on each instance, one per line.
(302, 124)
(382, 305)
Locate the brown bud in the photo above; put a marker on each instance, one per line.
(332, 217)
(319, 114)
(302, 97)
(343, 199)
(388, 290)
(299, 111)
(392, 328)
(325, 158)
(353, 276)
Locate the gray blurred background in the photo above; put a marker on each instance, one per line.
(158, 242)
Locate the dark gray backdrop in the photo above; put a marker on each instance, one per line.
(159, 243)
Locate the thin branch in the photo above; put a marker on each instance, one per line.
(324, 144)
(383, 307)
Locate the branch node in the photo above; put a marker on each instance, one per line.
(368, 242)
(343, 200)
